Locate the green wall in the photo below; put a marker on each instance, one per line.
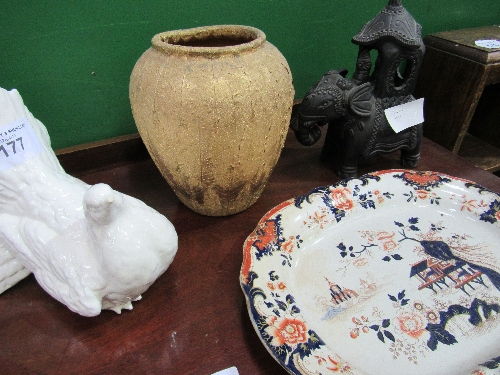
(71, 59)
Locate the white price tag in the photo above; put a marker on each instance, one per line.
(488, 43)
(228, 371)
(18, 142)
(405, 115)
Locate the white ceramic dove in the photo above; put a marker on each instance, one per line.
(89, 247)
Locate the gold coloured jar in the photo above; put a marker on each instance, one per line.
(213, 105)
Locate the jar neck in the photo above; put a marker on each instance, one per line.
(209, 41)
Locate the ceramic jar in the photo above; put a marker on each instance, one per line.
(213, 106)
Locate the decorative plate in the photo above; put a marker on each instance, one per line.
(396, 272)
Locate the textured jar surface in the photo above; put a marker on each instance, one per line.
(213, 106)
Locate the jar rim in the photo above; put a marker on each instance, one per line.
(210, 41)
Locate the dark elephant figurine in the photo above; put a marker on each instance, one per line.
(357, 126)
(354, 109)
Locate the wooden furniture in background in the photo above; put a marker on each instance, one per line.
(461, 86)
(193, 319)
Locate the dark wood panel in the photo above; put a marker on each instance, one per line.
(480, 153)
(493, 72)
(92, 157)
(451, 87)
(485, 123)
(459, 81)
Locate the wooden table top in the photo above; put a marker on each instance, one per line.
(463, 43)
(193, 319)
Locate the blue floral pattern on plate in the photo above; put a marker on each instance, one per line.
(392, 272)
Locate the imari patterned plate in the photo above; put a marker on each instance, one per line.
(396, 272)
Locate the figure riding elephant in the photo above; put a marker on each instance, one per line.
(357, 126)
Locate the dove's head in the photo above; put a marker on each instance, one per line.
(102, 204)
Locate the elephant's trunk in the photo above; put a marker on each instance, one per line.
(307, 129)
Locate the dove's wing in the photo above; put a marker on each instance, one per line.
(18, 241)
(11, 269)
(61, 262)
(77, 297)
(70, 272)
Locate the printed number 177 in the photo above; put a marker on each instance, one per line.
(13, 145)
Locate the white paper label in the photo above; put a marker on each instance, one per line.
(18, 142)
(488, 43)
(228, 371)
(405, 115)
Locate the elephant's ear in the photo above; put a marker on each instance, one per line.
(359, 99)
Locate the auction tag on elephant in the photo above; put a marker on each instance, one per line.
(403, 116)
(18, 142)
